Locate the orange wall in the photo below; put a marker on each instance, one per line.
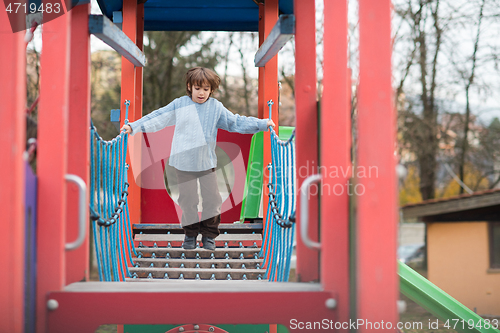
(458, 263)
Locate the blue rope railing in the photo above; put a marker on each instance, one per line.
(108, 205)
(279, 230)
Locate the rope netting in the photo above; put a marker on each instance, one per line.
(108, 205)
(279, 228)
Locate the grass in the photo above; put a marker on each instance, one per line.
(419, 320)
(106, 329)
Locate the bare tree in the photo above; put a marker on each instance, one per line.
(246, 92)
(224, 95)
(469, 81)
(420, 128)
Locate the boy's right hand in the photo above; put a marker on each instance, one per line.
(127, 129)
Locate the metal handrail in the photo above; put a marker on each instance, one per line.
(82, 227)
(304, 211)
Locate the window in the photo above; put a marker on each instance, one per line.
(495, 245)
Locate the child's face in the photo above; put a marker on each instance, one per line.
(200, 94)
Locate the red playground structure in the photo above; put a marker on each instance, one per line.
(346, 270)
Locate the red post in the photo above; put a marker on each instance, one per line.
(335, 156)
(270, 73)
(77, 261)
(270, 92)
(128, 92)
(377, 277)
(12, 175)
(52, 161)
(139, 70)
(306, 129)
(136, 203)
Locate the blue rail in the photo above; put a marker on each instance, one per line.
(108, 205)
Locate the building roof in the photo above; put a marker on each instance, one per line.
(478, 206)
(198, 15)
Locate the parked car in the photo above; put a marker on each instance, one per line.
(412, 254)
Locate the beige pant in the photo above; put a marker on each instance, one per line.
(187, 182)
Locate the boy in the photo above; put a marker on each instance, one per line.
(197, 117)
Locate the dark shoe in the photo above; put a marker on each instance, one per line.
(208, 243)
(189, 243)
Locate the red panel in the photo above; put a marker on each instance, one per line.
(128, 92)
(77, 261)
(306, 129)
(377, 204)
(335, 155)
(157, 206)
(12, 178)
(186, 307)
(52, 161)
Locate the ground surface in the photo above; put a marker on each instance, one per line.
(419, 320)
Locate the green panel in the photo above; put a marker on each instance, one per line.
(253, 194)
(285, 132)
(228, 328)
(439, 303)
(253, 182)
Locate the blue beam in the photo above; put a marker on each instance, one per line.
(199, 19)
(281, 33)
(151, 25)
(110, 34)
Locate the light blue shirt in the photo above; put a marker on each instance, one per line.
(195, 134)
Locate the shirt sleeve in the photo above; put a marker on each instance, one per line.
(235, 123)
(156, 120)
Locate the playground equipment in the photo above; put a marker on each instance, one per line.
(346, 279)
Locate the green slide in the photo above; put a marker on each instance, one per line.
(253, 183)
(455, 315)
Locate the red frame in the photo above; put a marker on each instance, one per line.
(108, 307)
(269, 86)
(306, 119)
(377, 278)
(12, 175)
(77, 261)
(129, 91)
(336, 151)
(52, 161)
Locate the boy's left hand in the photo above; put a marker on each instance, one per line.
(127, 128)
(270, 123)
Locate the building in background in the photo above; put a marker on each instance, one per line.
(463, 247)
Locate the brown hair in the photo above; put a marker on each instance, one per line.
(198, 76)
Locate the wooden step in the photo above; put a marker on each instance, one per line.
(241, 228)
(204, 263)
(175, 240)
(204, 273)
(219, 253)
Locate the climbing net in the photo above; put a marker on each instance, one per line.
(280, 227)
(108, 205)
